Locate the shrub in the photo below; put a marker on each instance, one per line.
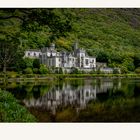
(36, 63)
(116, 71)
(28, 71)
(43, 69)
(98, 71)
(35, 70)
(137, 70)
(92, 72)
(28, 62)
(60, 71)
(74, 70)
(11, 74)
(124, 69)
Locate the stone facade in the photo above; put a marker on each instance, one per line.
(32, 53)
(78, 58)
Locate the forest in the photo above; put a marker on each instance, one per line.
(112, 35)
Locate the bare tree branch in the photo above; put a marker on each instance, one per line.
(8, 17)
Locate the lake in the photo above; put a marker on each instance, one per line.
(80, 100)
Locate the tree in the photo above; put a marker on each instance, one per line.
(28, 62)
(43, 69)
(23, 27)
(102, 56)
(128, 63)
(58, 21)
(28, 71)
(36, 63)
(9, 53)
(74, 70)
(137, 60)
(137, 70)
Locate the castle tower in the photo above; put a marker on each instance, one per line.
(52, 46)
(75, 46)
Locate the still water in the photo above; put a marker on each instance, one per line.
(81, 100)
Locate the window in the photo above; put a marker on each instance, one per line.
(28, 54)
(87, 62)
(34, 54)
(87, 93)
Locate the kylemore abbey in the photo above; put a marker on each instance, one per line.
(78, 58)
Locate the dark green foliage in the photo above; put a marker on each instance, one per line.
(28, 62)
(43, 69)
(36, 63)
(137, 70)
(27, 65)
(137, 60)
(74, 70)
(102, 56)
(11, 111)
(35, 70)
(28, 71)
(10, 53)
(59, 71)
(116, 71)
(19, 66)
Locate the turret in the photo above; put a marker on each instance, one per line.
(75, 46)
(52, 46)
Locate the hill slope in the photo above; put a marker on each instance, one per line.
(113, 35)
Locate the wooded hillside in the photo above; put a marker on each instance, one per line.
(112, 35)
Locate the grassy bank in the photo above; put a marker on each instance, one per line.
(14, 77)
(12, 111)
(71, 76)
(53, 77)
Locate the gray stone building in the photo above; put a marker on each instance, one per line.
(78, 58)
(32, 53)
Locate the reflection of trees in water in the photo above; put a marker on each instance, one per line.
(36, 91)
(26, 90)
(18, 92)
(137, 90)
(75, 83)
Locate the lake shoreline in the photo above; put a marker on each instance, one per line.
(52, 77)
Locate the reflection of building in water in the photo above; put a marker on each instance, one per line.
(77, 97)
(105, 85)
(57, 97)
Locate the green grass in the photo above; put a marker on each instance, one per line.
(53, 77)
(63, 76)
(12, 111)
